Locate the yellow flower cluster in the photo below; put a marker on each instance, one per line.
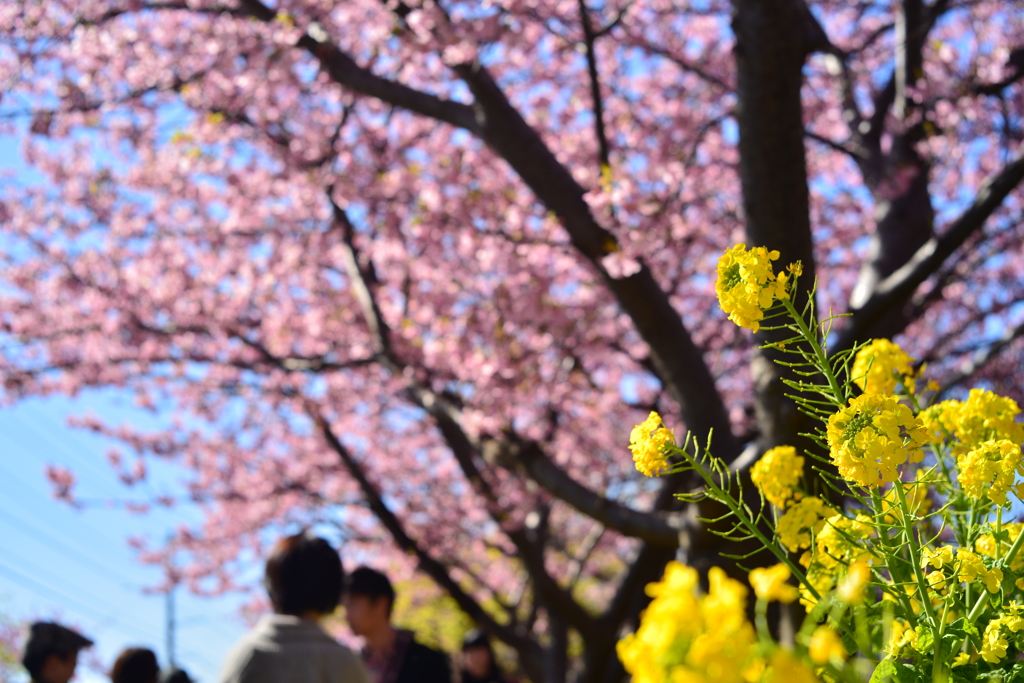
(747, 286)
(685, 637)
(984, 416)
(770, 583)
(826, 646)
(851, 587)
(880, 366)
(805, 517)
(994, 642)
(991, 469)
(986, 545)
(972, 568)
(873, 436)
(902, 639)
(648, 442)
(777, 473)
(836, 551)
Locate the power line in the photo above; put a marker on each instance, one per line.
(46, 591)
(64, 548)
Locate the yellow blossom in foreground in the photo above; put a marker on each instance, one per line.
(994, 642)
(770, 583)
(986, 545)
(819, 576)
(990, 469)
(785, 668)
(972, 568)
(777, 473)
(746, 284)
(692, 638)
(880, 366)
(873, 436)
(801, 519)
(852, 586)
(648, 442)
(826, 646)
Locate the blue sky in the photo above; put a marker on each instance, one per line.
(75, 565)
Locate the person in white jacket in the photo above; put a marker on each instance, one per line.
(304, 580)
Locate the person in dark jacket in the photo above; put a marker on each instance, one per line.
(135, 665)
(51, 652)
(391, 655)
(478, 662)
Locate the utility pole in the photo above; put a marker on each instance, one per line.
(170, 626)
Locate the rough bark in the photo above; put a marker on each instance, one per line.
(772, 41)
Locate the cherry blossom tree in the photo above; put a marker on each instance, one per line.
(10, 637)
(415, 268)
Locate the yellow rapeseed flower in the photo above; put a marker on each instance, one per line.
(837, 541)
(873, 436)
(984, 416)
(770, 583)
(972, 568)
(880, 366)
(648, 442)
(901, 637)
(777, 473)
(784, 667)
(986, 545)
(938, 557)
(826, 646)
(688, 637)
(990, 469)
(802, 519)
(994, 642)
(851, 587)
(746, 284)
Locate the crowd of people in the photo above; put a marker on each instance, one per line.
(305, 582)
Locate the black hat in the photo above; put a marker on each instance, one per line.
(47, 638)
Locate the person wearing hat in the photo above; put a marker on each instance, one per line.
(478, 661)
(51, 652)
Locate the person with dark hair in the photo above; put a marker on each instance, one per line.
(135, 665)
(478, 662)
(304, 580)
(51, 652)
(175, 675)
(391, 655)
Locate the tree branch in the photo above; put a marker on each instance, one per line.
(526, 458)
(344, 70)
(897, 289)
(589, 40)
(435, 569)
(679, 363)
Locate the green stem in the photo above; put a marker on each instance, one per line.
(716, 492)
(819, 352)
(915, 554)
(891, 553)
